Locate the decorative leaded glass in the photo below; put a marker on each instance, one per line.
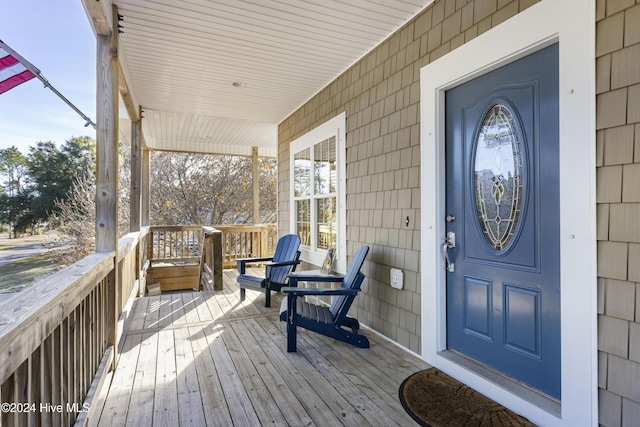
(498, 176)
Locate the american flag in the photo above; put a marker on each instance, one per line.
(12, 72)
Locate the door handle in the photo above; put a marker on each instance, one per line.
(449, 243)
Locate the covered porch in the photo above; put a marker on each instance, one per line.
(252, 78)
(83, 348)
(210, 78)
(206, 358)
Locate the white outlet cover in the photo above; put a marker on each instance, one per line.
(396, 278)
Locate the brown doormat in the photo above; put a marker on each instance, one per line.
(434, 399)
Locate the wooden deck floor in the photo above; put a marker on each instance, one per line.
(205, 359)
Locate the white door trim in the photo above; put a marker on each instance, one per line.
(571, 23)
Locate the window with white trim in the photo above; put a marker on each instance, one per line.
(318, 192)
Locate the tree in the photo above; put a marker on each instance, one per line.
(15, 198)
(268, 169)
(80, 155)
(52, 171)
(185, 189)
(74, 218)
(74, 215)
(189, 188)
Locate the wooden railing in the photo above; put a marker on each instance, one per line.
(243, 241)
(190, 257)
(174, 255)
(211, 260)
(175, 244)
(62, 334)
(180, 244)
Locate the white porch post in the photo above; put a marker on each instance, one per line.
(136, 175)
(145, 188)
(256, 185)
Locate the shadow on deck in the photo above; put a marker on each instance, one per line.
(205, 358)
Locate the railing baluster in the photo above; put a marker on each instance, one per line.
(66, 369)
(8, 394)
(56, 335)
(92, 364)
(77, 356)
(56, 377)
(74, 323)
(34, 386)
(22, 391)
(44, 396)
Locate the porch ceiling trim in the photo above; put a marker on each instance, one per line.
(180, 60)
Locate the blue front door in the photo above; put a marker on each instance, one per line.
(502, 206)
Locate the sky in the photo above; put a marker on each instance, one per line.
(55, 36)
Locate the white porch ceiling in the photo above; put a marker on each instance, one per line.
(180, 59)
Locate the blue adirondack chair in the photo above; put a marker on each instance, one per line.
(283, 262)
(330, 321)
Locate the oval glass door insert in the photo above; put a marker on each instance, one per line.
(498, 177)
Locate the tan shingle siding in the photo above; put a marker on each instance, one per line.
(603, 74)
(381, 96)
(611, 108)
(633, 111)
(611, 412)
(483, 9)
(630, 413)
(624, 67)
(610, 34)
(634, 342)
(603, 222)
(615, 6)
(638, 303)
(624, 222)
(631, 183)
(601, 9)
(618, 143)
(623, 377)
(609, 184)
(600, 148)
(602, 370)
(631, 27)
(637, 142)
(612, 260)
(633, 273)
(620, 299)
(525, 4)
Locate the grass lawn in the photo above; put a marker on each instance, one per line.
(25, 271)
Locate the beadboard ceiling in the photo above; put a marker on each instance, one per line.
(180, 59)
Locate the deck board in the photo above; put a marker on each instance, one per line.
(165, 402)
(140, 411)
(117, 400)
(215, 408)
(208, 359)
(259, 396)
(284, 398)
(189, 397)
(305, 396)
(177, 310)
